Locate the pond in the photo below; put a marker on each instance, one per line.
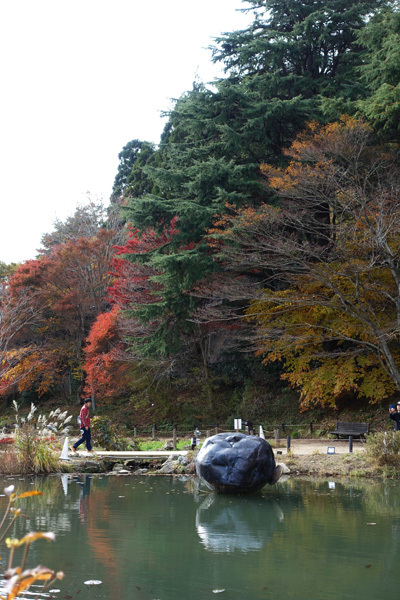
(164, 538)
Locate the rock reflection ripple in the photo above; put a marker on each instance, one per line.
(227, 524)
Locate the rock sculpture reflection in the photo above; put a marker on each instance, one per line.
(244, 525)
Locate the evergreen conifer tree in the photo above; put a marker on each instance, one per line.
(380, 72)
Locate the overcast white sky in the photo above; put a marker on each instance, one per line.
(79, 79)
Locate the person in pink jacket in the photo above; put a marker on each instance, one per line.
(85, 426)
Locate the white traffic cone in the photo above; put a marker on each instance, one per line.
(64, 453)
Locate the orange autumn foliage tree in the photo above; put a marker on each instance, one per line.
(18, 315)
(330, 308)
(67, 287)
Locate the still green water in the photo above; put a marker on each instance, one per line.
(161, 538)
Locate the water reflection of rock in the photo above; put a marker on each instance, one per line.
(227, 524)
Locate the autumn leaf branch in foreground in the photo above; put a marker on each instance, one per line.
(19, 578)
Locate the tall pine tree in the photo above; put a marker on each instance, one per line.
(380, 72)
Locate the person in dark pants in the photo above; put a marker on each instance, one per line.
(85, 427)
(395, 416)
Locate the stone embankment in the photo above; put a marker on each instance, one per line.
(305, 457)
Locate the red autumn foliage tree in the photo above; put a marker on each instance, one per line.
(67, 285)
(108, 349)
(106, 367)
(135, 282)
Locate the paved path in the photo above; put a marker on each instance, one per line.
(307, 447)
(129, 453)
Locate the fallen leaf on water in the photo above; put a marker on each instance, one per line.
(368, 566)
(371, 523)
(217, 591)
(29, 494)
(93, 582)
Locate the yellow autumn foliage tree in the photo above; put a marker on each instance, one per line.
(330, 254)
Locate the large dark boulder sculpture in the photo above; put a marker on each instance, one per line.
(236, 463)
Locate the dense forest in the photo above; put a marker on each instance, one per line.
(254, 252)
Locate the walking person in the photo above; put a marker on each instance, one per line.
(85, 426)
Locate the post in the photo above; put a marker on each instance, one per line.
(350, 443)
(283, 427)
(153, 433)
(288, 443)
(208, 433)
(174, 437)
(311, 428)
(135, 431)
(217, 428)
(277, 435)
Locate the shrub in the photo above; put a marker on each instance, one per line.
(384, 447)
(107, 435)
(34, 453)
(34, 449)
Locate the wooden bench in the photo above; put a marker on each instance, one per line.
(350, 429)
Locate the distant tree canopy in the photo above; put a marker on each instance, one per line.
(6, 270)
(131, 179)
(50, 304)
(86, 222)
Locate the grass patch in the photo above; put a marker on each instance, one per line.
(147, 445)
(357, 473)
(321, 465)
